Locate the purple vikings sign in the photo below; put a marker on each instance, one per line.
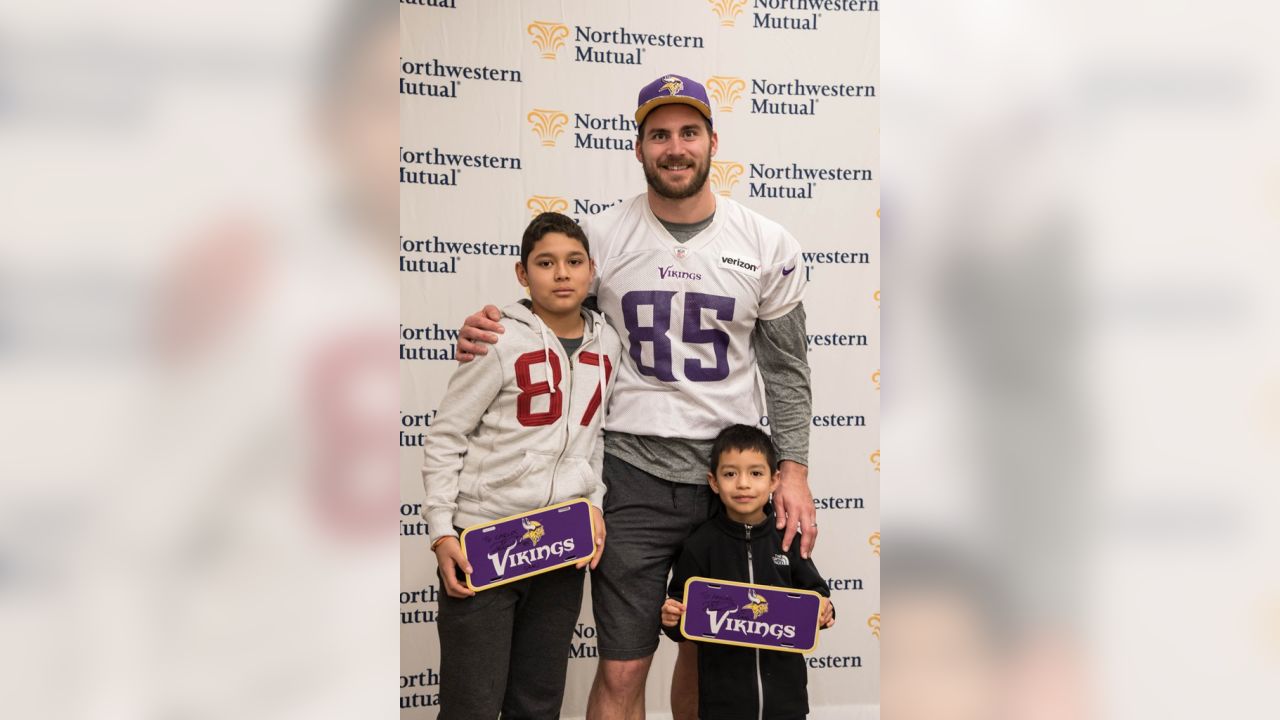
(756, 616)
(519, 546)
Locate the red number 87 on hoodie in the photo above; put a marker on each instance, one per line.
(555, 403)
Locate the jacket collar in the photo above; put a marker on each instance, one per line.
(738, 530)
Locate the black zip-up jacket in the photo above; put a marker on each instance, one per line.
(731, 679)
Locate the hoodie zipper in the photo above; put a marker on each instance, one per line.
(568, 407)
(751, 578)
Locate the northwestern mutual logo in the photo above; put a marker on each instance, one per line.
(803, 14)
(725, 91)
(797, 97)
(547, 125)
(420, 695)
(414, 616)
(795, 181)
(789, 181)
(787, 97)
(727, 10)
(837, 420)
(839, 503)
(615, 46)
(445, 168)
(831, 257)
(539, 204)
(579, 647)
(548, 37)
(434, 255)
(826, 340)
(443, 79)
(587, 206)
(415, 439)
(591, 131)
(724, 175)
(430, 342)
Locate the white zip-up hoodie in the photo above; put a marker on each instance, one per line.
(505, 441)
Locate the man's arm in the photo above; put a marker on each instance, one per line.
(782, 353)
(482, 328)
(479, 331)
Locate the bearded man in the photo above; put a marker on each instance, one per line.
(706, 295)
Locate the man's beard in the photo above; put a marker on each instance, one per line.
(666, 190)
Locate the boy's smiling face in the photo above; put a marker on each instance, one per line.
(744, 482)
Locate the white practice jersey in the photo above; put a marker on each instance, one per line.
(686, 312)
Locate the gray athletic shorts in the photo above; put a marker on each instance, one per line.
(647, 520)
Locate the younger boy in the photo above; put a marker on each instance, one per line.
(743, 544)
(518, 429)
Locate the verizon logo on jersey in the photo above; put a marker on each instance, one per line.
(737, 263)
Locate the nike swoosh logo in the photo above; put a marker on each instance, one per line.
(788, 271)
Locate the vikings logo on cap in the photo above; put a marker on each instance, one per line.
(672, 89)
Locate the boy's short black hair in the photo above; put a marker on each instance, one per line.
(743, 437)
(549, 222)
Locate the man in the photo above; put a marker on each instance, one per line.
(703, 292)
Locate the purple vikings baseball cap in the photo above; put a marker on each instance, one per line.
(670, 89)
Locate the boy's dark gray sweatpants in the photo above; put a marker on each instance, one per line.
(507, 649)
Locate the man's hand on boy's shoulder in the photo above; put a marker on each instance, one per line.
(450, 558)
(827, 615)
(793, 503)
(479, 330)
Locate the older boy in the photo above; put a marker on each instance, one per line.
(519, 429)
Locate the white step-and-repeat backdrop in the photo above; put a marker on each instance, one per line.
(511, 108)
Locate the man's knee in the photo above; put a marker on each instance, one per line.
(624, 677)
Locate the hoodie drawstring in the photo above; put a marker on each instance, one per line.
(595, 330)
(546, 350)
(546, 353)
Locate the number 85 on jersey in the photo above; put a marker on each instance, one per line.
(647, 315)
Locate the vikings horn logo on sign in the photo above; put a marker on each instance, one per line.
(533, 531)
(758, 605)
